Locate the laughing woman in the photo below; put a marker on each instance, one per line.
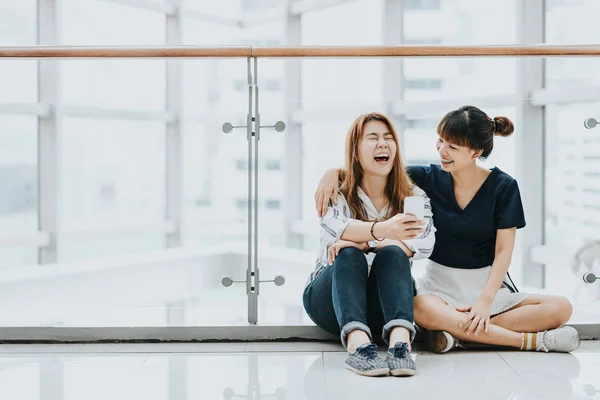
(358, 295)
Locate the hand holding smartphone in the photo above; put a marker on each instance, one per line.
(415, 205)
(406, 225)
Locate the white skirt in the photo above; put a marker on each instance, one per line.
(461, 287)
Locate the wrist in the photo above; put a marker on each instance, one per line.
(378, 231)
(381, 244)
(370, 246)
(486, 297)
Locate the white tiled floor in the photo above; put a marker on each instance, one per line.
(173, 371)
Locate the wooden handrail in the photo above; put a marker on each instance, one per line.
(541, 50)
(427, 51)
(124, 52)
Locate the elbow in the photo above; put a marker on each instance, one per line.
(504, 253)
(329, 241)
(328, 235)
(430, 243)
(423, 255)
(428, 251)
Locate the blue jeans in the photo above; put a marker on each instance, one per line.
(346, 297)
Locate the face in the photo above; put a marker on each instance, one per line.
(454, 157)
(377, 149)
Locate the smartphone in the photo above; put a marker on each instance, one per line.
(415, 205)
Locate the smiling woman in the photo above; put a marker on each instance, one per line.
(377, 146)
(361, 296)
(457, 149)
(377, 129)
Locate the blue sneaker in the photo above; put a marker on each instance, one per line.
(399, 360)
(365, 361)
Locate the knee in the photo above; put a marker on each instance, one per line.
(393, 260)
(350, 257)
(391, 255)
(425, 316)
(562, 309)
(351, 253)
(393, 251)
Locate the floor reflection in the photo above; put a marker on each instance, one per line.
(285, 374)
(254, 388)
(590, 390)
(463, 376)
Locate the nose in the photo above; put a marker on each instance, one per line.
(441, 147)
(381, 142)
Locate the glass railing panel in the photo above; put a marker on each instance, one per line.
(18, 78)
(318, 115)
(19, 188)
(563, 26)
(117, 137)
(572, 211)
(101, 23)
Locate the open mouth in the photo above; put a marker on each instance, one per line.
(447, 162)
(382, 158)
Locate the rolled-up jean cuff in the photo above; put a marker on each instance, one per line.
(353, 326)
(396, 323)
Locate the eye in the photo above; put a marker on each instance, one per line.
(453, 148)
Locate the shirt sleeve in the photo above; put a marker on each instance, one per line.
(417, 174)
(423, 244)
(509, 208)
(335, 221)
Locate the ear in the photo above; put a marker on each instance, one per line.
(476, 154)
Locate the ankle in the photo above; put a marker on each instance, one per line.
(352, 346)
(531, 341)
(399, 335)
(356, 339)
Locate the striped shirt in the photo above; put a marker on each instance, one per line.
(339, 217)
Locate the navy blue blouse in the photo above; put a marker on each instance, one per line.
(466, 238)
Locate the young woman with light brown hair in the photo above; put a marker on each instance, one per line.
(362, 284)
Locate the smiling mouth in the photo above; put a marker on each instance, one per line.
(382, 158)
(447, 162)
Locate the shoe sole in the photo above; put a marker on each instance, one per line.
(578, 339)
(438, 342)
(403, 372)
(372, 372)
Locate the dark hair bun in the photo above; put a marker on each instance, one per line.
(504, 126)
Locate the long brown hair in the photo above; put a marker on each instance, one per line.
(398, 184)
